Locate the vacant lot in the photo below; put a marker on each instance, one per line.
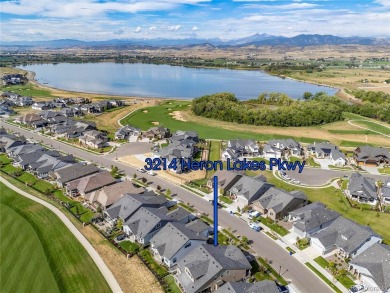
(214, 129)
(37, 246)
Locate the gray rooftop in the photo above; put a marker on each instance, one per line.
(312, 216)
(344, 234)
(75, 171)
(376, 259)
(207, 262)
(265, 286)
(127, 205)
(170, 239)
(249, 187)
(278, 199)
(362, 186)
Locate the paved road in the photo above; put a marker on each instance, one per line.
(88, 247)
(292, 270)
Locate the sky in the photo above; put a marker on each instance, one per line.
(32, 20)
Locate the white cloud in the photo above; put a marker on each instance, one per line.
(195, 28)
(152, 28)
(283, 6)
(174, 27)
(138, 29)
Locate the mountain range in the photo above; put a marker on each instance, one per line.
(254, 40)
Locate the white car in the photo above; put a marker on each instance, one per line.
(142, 170)
(357, 289)
(254, 226)
(254, 214)
(151, 173)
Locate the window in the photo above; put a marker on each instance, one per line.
(174, 260)
(187, 245)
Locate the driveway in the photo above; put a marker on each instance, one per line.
(133, 148)
(303, 279)
(324, 163)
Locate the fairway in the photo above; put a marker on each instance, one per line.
(340, 133)
(38, 252)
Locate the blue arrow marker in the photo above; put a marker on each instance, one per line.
(215, 211)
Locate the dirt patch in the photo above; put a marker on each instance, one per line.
(131, 274)
(177, 115)
(155, 123)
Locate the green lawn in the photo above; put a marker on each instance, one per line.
(225, 199)
(129, 246)
(4, 159)
(9, 169)
(171, 285)
(39, 254)
(27, 178)
(27, 90)
(384, 170)
(43, 186)
(310, 162)
(153, 264)
(143, 119)
(272, 271)
(273, 226)
(259, 272)
(333, 286)
(374, 126)
(322, 262)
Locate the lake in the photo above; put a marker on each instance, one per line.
(165, 81)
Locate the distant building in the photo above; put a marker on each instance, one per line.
(362, 189)
(371, 156)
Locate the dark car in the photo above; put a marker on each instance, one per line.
(212, 203)
(121, 237)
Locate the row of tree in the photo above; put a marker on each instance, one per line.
(277, 109)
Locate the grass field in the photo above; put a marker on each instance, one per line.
(4, 159)
(27, 90)
(214, 129)
(27, 178)
(43, 186)
(39, 254)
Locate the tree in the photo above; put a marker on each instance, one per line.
(168, 192)
(144, 180)
(134, 176)
(244, 240)
(307, 95)
(158, 187)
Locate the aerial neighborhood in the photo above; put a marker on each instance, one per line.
(180, 239)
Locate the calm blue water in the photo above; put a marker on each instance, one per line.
(165, 81)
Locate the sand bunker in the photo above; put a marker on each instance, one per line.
(155, 123)
(145, 111)
(177, 116)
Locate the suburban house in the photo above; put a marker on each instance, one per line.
(90, 183)
(240, 147)
(93, 139)
(76, 171)
(127, 131)
(79, 128)
(207, 267)
(276, 203)
(146, 222)
(111, 193)
(42, 106)
(247, 189)
(182, 146)
(23, 149)
(25, 160)
(174, 241)
(226, 179)
(322, 150)
(265, 286)
(128, 204)
(6, 110)
(385, 191)
(348, 238)
(362, 189)
(31, 120)
(8, 142)
(311, 218)
(372, 267)
(157, 132)
(48, 163)
(371, 156)
(282, 148)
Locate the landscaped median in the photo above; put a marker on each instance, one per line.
(340, 275)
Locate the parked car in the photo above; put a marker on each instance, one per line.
(212, 203)
(142, 170)
(357, 289)
(151, 173)
(121, 237)
(254, 226)
(254, 214)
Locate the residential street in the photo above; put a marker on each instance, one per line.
(292, 270)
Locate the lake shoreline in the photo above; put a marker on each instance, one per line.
(188, 86)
